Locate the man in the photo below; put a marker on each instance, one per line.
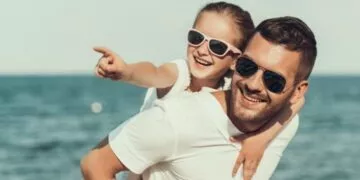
(188, 137)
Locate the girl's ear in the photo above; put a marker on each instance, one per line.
(233, 64)
(232, 67)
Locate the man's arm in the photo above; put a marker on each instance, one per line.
(101, 163)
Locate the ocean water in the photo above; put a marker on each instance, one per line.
(47, 125)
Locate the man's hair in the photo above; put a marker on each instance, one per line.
(240, 17)
(294, 35)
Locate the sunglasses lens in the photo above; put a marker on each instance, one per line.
(218, 47)
(274, 82)
(246, 67)
(195, 38)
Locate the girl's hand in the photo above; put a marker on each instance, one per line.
(111, 65)
(253, 147)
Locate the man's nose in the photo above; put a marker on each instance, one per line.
(255, 83)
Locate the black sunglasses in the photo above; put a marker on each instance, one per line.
(273, 81)
(216, 46)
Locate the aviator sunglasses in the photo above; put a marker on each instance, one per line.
(216, 47)
(273, 81)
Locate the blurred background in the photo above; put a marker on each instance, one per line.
(53, 110)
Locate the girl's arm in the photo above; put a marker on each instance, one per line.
(254, 144)
(144, 74)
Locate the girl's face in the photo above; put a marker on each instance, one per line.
(203, 63)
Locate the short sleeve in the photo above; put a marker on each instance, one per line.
(182, 82)
(183, 79)
(145, 139)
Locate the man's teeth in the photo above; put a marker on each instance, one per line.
(253, 99)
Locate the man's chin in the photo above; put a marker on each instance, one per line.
(248, 116)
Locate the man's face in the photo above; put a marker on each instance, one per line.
(252, 101)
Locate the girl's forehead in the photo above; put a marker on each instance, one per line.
(218, 25)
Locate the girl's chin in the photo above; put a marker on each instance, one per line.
(200, 73)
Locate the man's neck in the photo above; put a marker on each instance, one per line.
(224, 98)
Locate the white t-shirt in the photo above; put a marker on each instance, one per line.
(187, 137)
(182, 82)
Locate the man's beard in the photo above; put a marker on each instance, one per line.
(247, 119)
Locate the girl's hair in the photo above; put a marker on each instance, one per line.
(240, 17)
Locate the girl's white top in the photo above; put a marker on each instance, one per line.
(180, 86)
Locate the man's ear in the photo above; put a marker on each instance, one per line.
(300, 91)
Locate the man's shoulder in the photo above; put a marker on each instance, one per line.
(191, 101)
(289, 131)
(192, 111)
(145, 139)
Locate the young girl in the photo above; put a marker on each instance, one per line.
(216, 40)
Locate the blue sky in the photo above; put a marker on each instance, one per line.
(42, 36)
